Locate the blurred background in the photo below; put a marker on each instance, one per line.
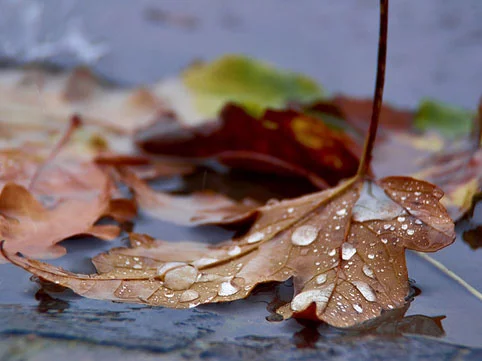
(435, 46)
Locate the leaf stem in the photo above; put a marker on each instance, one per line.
(75, 123)
(440, 266)
(378, 97)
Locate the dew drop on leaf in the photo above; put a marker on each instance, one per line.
(234, 251)
(227, 289)
(189, 295)
(321, 278)
(347, 251)
(255, 237)
(304, 235)
(368, 271)
(365, 290)
(180, 278)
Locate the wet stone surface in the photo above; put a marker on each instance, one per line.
(126, 327)
(16, 348)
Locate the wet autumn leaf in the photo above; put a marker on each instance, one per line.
(28, 226)
(193, 209)
(46, 198)
(344, 248)
(284, 142)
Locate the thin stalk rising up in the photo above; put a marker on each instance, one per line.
(378, 98)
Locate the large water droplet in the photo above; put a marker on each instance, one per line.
(321, 278)
(255, 237)
(368, 271)
(365, 290)
(204, 262)
(227, 289)
(161, 270)
(374, 204)
(347, 251)
(180, 278)
(357, 308)
(189, 295)
(304, 235)
(234, 251)
(321, 296)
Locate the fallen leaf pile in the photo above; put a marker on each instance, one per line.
(343, 246)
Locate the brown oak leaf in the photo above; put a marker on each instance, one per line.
(343, 247)
(45, 199)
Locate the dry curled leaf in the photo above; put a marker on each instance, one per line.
(344, 248)
(194, 209)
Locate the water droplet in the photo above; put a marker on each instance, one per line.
(291, 210)
(332, 252)
(357, 308)
(321, 278)
(368, 271)
(365, 290)
(320, 297)
(227, 289)
(386, 226)
(341, 212)
(410, 232)
(384, 240)
(137, 266)
(371, 256)
(203, 262)
(375, 204)
(418, 221)
(161, 270)
(401, 219)
(418, 193)
(189, 295)
(255, 237)
(304, 235)
(180, 278)
(337, 228)
(347, 251)
(234, 251)
(404, 226)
